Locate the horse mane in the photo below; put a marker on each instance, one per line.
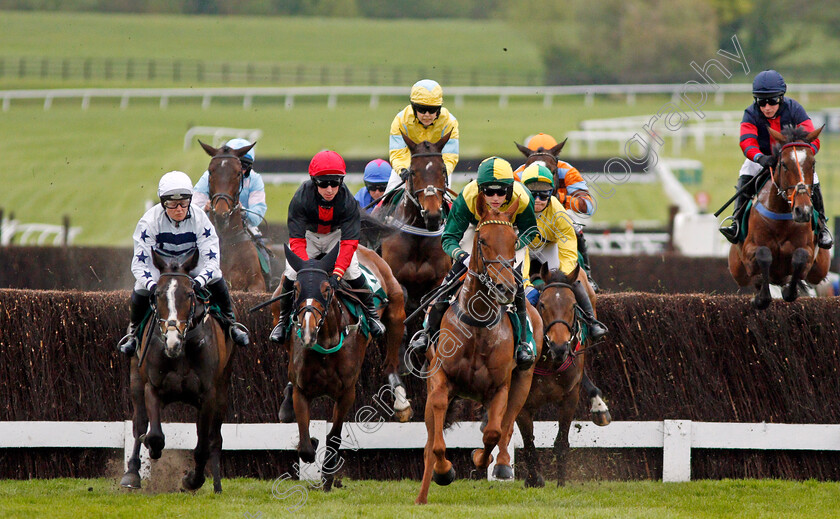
(792, 134)
(373, 231)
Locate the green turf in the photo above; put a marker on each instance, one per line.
(246, 498)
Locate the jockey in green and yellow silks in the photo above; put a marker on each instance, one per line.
(495, 181)
(555, 244)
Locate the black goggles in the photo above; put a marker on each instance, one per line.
(325, 183)
(424, 109)
(772, 101)
(246, 164)
(495, 191)
(541, 195)
(376, 187)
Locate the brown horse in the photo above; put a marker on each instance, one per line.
(327, 349)
(415, 254)
(780, 246)
(473, 355)
(240, 261)
(185, 356)
(547, 156)
(559, 372)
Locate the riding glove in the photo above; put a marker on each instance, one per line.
(532, 295)
(766, 161)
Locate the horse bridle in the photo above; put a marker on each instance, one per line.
(573, 327)
(321, 313)
(800, 186)
(482, 276)
(430, 190)
(165, 323)
(233, 201)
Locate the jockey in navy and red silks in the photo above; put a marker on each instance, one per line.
(323, 214)
(770, 109)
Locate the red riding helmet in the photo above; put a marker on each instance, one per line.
(327, 163)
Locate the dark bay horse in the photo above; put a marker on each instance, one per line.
(240, 260)
(780, 246)
(327, 349)
(473, 355)
(184, 357)
(547, 156)
(415, 254)
(559, 372)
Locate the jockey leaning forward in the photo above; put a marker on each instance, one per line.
(377, 173)
(251, 194)
(175, 227)
(495, 181)
(572, 193)
(770, 109)
(555, 244)
(424, 119)
(323, 214)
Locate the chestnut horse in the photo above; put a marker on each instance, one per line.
(780, 246)
(240, 261)
(473, 356)
(415, 254)
(559, 372)
(184, 356)
(326, 351)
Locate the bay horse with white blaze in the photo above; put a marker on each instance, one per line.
(184, 356)
(780, 246)
(473, 356)
(240, 260)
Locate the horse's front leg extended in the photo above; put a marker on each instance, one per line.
(203, 426)
(597, 407)
(492, 431)
(799, 261)
(435, 464)
(763, 258)
(131, 478)
(526, 426)
(154, 439)
(307, 446)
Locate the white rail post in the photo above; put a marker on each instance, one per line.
(676, 451)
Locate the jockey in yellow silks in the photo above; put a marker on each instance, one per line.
(555, 244)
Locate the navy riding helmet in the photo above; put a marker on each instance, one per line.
(768, 83)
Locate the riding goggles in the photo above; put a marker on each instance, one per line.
(772, 101)
(425, 109)
(325, 183)
(541, 195)
(246, 165)
(495, 191)
(172, 204)
(376, 186)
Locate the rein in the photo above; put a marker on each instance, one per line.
(481, 276)
(164, 324)
(574, 330)
(799, 186)
(312, 308)
(411, 196)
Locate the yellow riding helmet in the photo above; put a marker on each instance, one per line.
(543, 140)
(537, 176)
(427, 92)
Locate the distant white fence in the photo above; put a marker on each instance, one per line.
(220, 134)
(676, 438)
(332, 93)
(35, 233)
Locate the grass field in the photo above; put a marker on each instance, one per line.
(247, 498)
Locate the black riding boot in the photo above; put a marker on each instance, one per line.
(732, 231)
(287, 408)
(140, 306)
(433, 320)
(584, 254)
(524, 357)
(377, 329)
(596, 327)
(287, 291)
(219, 294)
(824, 240)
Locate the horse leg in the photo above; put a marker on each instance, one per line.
(332, 459)
(216, 438)
(598, 408)
(395, 330)
(799, 261)
(764, 258)
(307, 446)
(561, 443)
(206, 415)
(520, 386)
(532, 462)
(435, 463)
(131, 478)
(493, 431)
(819, 270)
(154, 440)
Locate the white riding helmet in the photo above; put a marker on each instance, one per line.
(175, 185)
(237, 144)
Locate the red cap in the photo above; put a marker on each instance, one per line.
(326, 163)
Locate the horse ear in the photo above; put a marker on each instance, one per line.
(242, 151)
(480, 206)
(158, 261)
(293, 259)
(210, 150)
(524, 149)
(778, 137)
(191, 261)
(544, 272)
(408, 142)
(572, 276)
(328, 261)
(555, 150)
(814, 134)
(442, 142)
(512, 209)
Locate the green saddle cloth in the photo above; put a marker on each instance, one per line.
(380, 298)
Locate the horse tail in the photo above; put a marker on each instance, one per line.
(452, 412)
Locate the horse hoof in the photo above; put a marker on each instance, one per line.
(155, 445)
(601, 418)
(131, 480)
(217, 488)
(192, 481)
(535, 482)
(404, 415)
(761, 304)
(476, 455)
(789, 295)
(444, 479)
(503, 472)
(306, 455)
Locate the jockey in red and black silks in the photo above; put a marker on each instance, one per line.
(323, 214)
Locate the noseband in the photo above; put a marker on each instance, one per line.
(800, 187)
(430, 190)
(575, 330)
(482, 276)
(165, 324)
